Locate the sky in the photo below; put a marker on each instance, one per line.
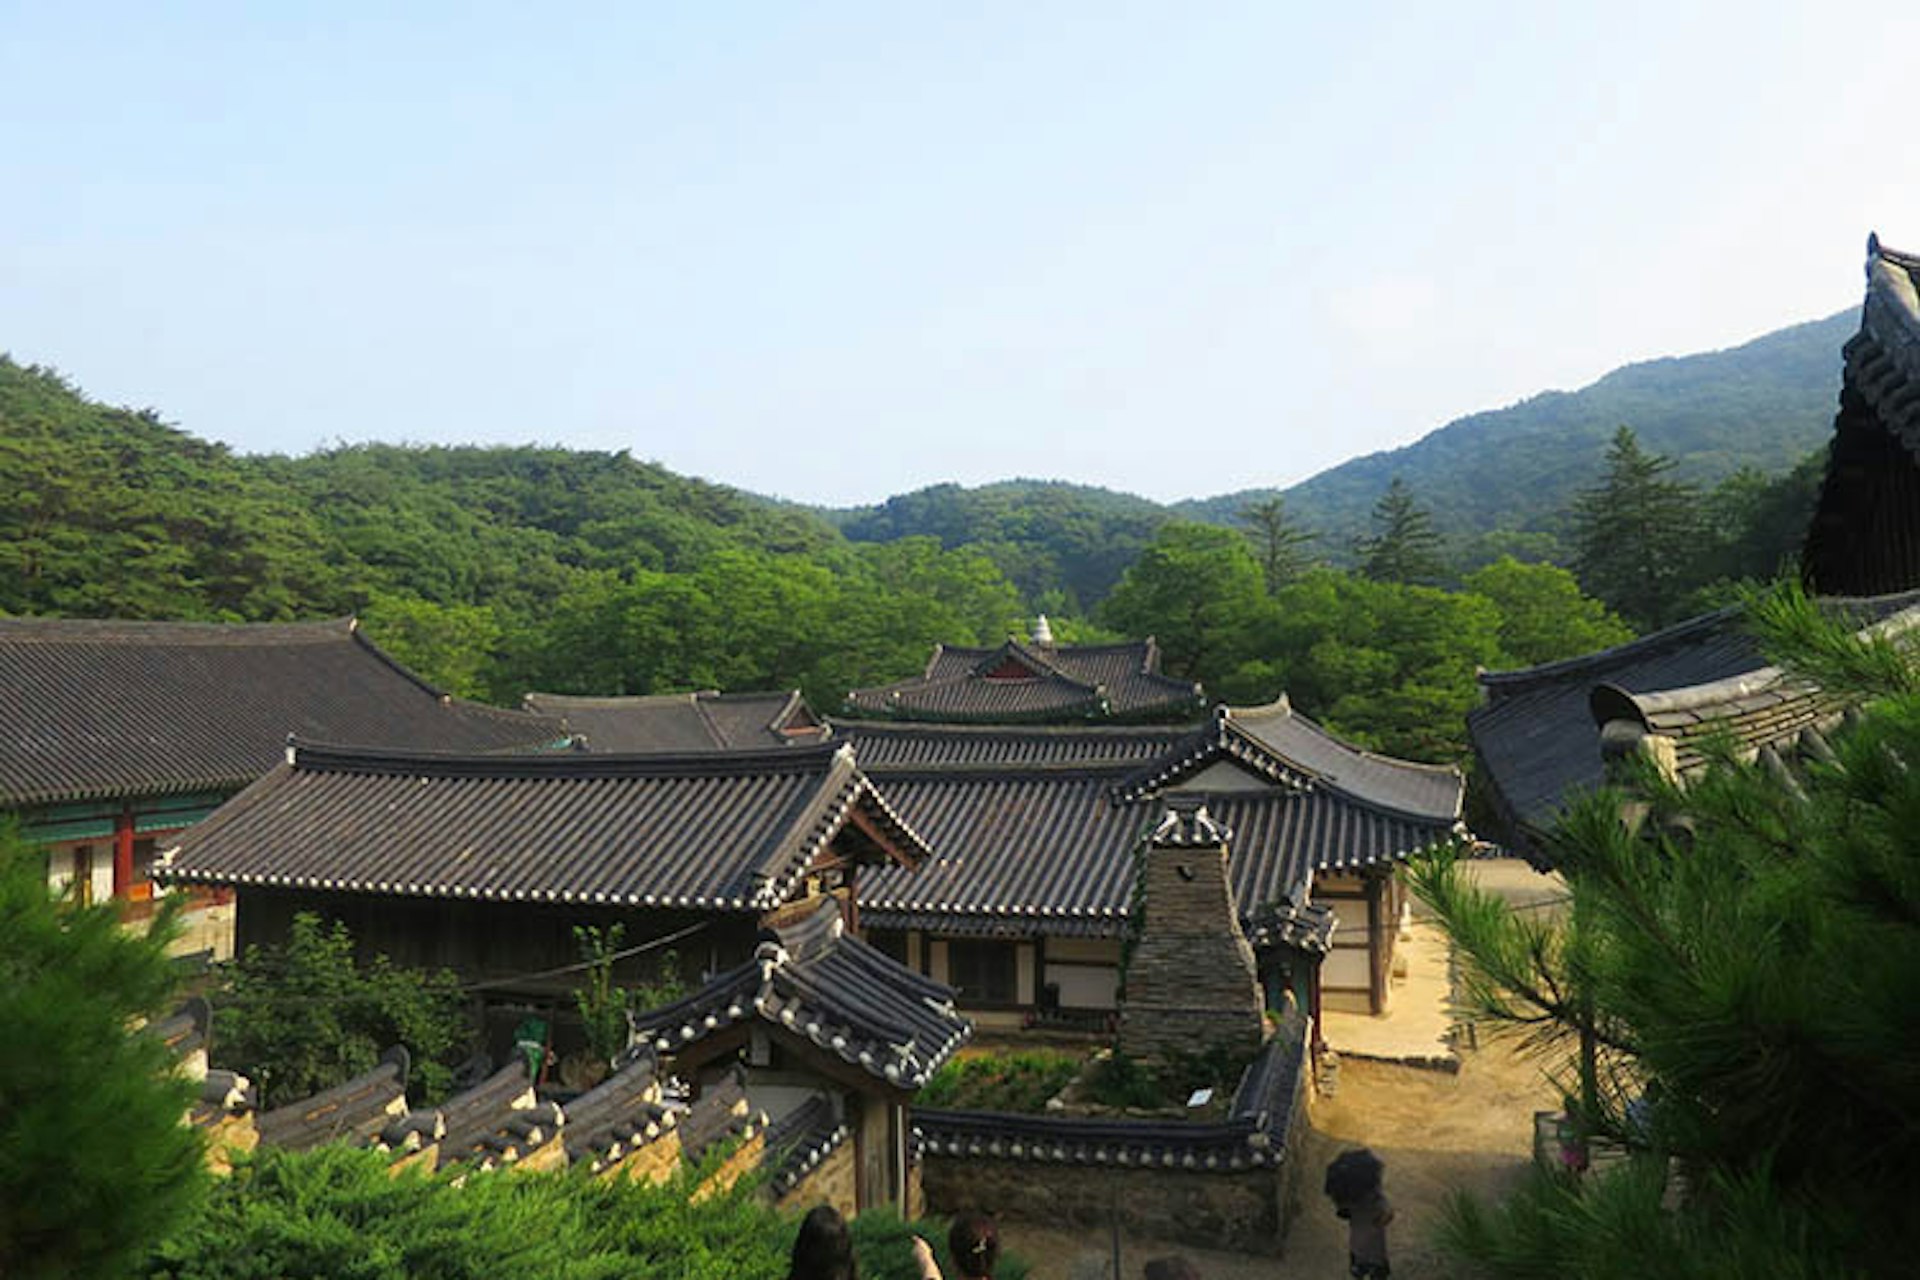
(832, 252)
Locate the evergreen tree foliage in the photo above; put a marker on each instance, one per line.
(304, 1015)
(1543, 616)
(1742, 956)
(94, 1159)
(339, 1213)
(1637, 535)
(1278, 540)
(1404, 546)
(1198, 590)
(1389, 665)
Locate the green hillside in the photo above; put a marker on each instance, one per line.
(490, 570)
(1063, 545)
(1764, 405)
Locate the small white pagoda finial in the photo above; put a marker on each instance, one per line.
(1042, 630)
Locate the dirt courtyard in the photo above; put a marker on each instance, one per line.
(1437, 1131)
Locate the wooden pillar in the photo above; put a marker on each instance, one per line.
(1313, 1006)
(123, 854)
(1377, 946)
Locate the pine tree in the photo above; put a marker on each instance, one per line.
(1730, 997)
(1636, 535)
(1404, 547)
(94, 1159)
(1277, 540)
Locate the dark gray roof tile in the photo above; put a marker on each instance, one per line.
(1019, 682)
(703, 721)
(818, 982)
(99, 710)
(720, 830)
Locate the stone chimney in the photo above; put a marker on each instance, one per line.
(1191, 981)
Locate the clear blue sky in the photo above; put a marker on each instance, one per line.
(833, 252)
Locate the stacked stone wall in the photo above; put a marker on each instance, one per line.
(1236, 1211)
(832, 1181)
(1191, 982)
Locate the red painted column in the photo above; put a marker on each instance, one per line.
(123, 855)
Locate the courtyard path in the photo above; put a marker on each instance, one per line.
(1437, 1131)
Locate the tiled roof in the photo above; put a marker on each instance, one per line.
(798, 1141)
(1864, 537)
(101, 710)
(719, 830)
(1537, 735)
(357, 1111)
(899, 747)
(704, 721)
(816, 981)
(498, 1121)
(618, 1116)
(1035, 831)
(1253, 1135)
(1018, 682)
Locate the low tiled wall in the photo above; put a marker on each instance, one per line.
(1223, 1210)
(1228, 1184)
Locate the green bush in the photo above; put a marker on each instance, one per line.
(303, 1016)
(93, 1157)
(337, 1212)
(1120, 1081)
(1001, 1082)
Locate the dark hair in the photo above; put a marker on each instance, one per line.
(974, 1244)
(824, 1248)
(1172, 1267)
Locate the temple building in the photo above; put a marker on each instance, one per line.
(705, 721)
(1865, 534)
(1035, 682)
(117, 736)
(1038, 832)
(829, 1039)
(485, 864)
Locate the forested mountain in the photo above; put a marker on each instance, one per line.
(1064, 545)
(1763, 405)
(492, 571)
(1495, 482)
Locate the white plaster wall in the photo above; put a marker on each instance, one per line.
(1025, 989)
(1085, 986)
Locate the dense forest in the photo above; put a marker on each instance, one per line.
(494, 571)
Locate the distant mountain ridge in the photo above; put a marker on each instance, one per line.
(1764, 404)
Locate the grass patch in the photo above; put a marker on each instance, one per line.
(1120, 1081)
(1020, 1082)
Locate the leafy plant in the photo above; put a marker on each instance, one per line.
(1021, 1082)
(304, 1016)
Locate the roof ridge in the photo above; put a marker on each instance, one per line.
(347, 758)
(27, 628)
(1653, 640)
(1365, 753)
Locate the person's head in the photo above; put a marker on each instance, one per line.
(1173, 1267)
(824, 1248)
(974, 1244)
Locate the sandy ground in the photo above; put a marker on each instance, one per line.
(1437, 1131)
